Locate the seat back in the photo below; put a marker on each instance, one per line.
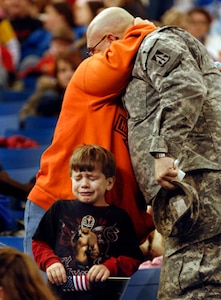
(8, 108)
(8, 121)
(21, 158)
(23, 175)
(143, 285)
(40, 122)
(12, 241)
(11, 96)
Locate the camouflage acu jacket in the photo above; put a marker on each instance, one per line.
(174, 105)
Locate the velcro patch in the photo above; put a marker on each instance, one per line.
(160, 58)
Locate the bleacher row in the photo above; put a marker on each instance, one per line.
(22, 164)
(39, 129)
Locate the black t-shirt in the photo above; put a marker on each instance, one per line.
(82, 235)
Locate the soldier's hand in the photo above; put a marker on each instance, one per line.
(165, 172)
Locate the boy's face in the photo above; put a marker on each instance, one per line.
(90, 186)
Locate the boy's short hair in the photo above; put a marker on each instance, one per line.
(88, 157)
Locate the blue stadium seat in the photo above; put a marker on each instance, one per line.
(12, 241)
(8, 121)
(143, 285)
(10, 95)
(40, 122)
(21, 158)
(30, 82)
(22, 175)
(8, 108)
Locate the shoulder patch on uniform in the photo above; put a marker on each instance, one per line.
(160, 58)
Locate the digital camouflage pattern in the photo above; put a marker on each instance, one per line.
(174, 106)
(192, 273)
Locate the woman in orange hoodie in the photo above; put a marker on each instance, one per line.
(91, 113)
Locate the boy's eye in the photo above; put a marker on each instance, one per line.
(93, 177)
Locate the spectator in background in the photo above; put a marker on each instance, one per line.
(62, 39)
(83, 12)
(48, 97)
(175, 17)
(29, 30)
(20, 278)
(57, 15)
(200, 22)
(213, 44)
(200, 27)
(38, 7)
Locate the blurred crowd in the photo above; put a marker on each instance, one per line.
(34, 33)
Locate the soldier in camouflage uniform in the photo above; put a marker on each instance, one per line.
(174, 107)
(174, 111)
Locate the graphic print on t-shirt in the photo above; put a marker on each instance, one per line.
(89, 244)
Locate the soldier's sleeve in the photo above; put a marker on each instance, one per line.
(176, 77)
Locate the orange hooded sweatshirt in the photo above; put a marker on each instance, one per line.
(92, 113)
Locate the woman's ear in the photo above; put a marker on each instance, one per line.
(110, 183)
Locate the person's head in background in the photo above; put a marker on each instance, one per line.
(175, 17)
(38, 7)
(20, 278)
(200, 23)
(109, 25)
(50, 102)
(56, 15)
(62, 39)
(65, 65)
(85, 10)
(17, 9)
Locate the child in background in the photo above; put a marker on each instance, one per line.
(87, 239)
(48, 96)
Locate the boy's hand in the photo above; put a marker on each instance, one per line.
(56, 273)
(98, 273)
